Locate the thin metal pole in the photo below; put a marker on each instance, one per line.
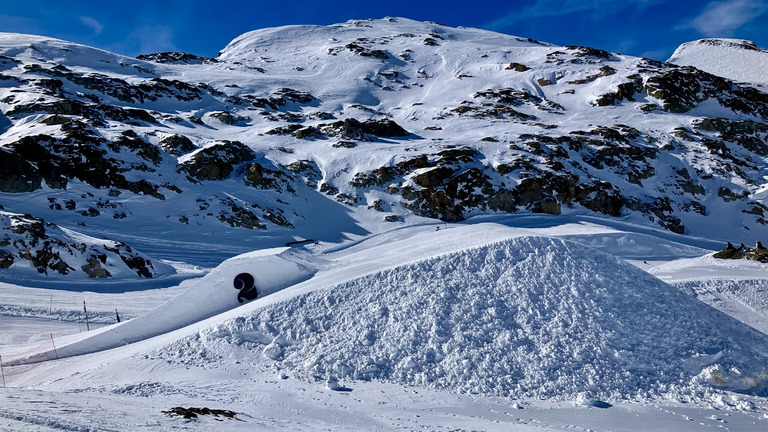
(54, 347)
(87, 326)
(2, 370)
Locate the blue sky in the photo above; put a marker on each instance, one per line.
(649, 28)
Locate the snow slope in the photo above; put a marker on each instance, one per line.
(209, 296)
(736, 59)
(433, 325)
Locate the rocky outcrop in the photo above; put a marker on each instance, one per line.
(177, 145)
(757, 253)
(51, 251)
(174, 57)
(218, 161)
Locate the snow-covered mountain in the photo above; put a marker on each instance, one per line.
(511, 235)
(736, 59)
(334, 132)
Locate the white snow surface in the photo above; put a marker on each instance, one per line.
(523, 322)
(526, 317)
(736, 59)
(516, 323)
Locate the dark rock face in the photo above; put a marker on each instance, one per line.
(26, 238)
(83, 155)
(94, 269)
(434, 177)
(757, 253)
(17, 175)
(177, 145)
(176, 57)
(352, 129)
(681, 89)
(240, 216)
(228, 118)
(218, 161)
(357, 49)
(383, 128)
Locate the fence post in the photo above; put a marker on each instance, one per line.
(54, 347)
(2, 370)
(87, 327)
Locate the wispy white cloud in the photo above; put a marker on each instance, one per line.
(551, 8)
(153, 38)
(91, 22)
(723, 18)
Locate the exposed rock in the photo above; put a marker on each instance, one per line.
(434, 177)
(383, 128)
(177, 145)
(94, 269)
(548, 205)
(284, 130)
(228, 118)
(758, 253)
(344, 144)
(594, 53)
(141, 265)
(365, 52)
(239, 216)
(308, 170)
(517, 67)
(17, 175)
(6, 259)
(218, 161)
(176, 57)
(193, 412)
(307, 133)
(624, 91)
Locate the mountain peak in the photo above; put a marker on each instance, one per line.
(736, 59)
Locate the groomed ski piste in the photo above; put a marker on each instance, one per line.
(530, 323)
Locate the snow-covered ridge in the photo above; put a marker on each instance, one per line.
(736, 59)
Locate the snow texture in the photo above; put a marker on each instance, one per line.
(736, 59)
(527, 317)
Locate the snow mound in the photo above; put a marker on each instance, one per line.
(736, 59)
(529, 316)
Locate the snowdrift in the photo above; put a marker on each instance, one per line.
(272, 270)
(524, 317)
